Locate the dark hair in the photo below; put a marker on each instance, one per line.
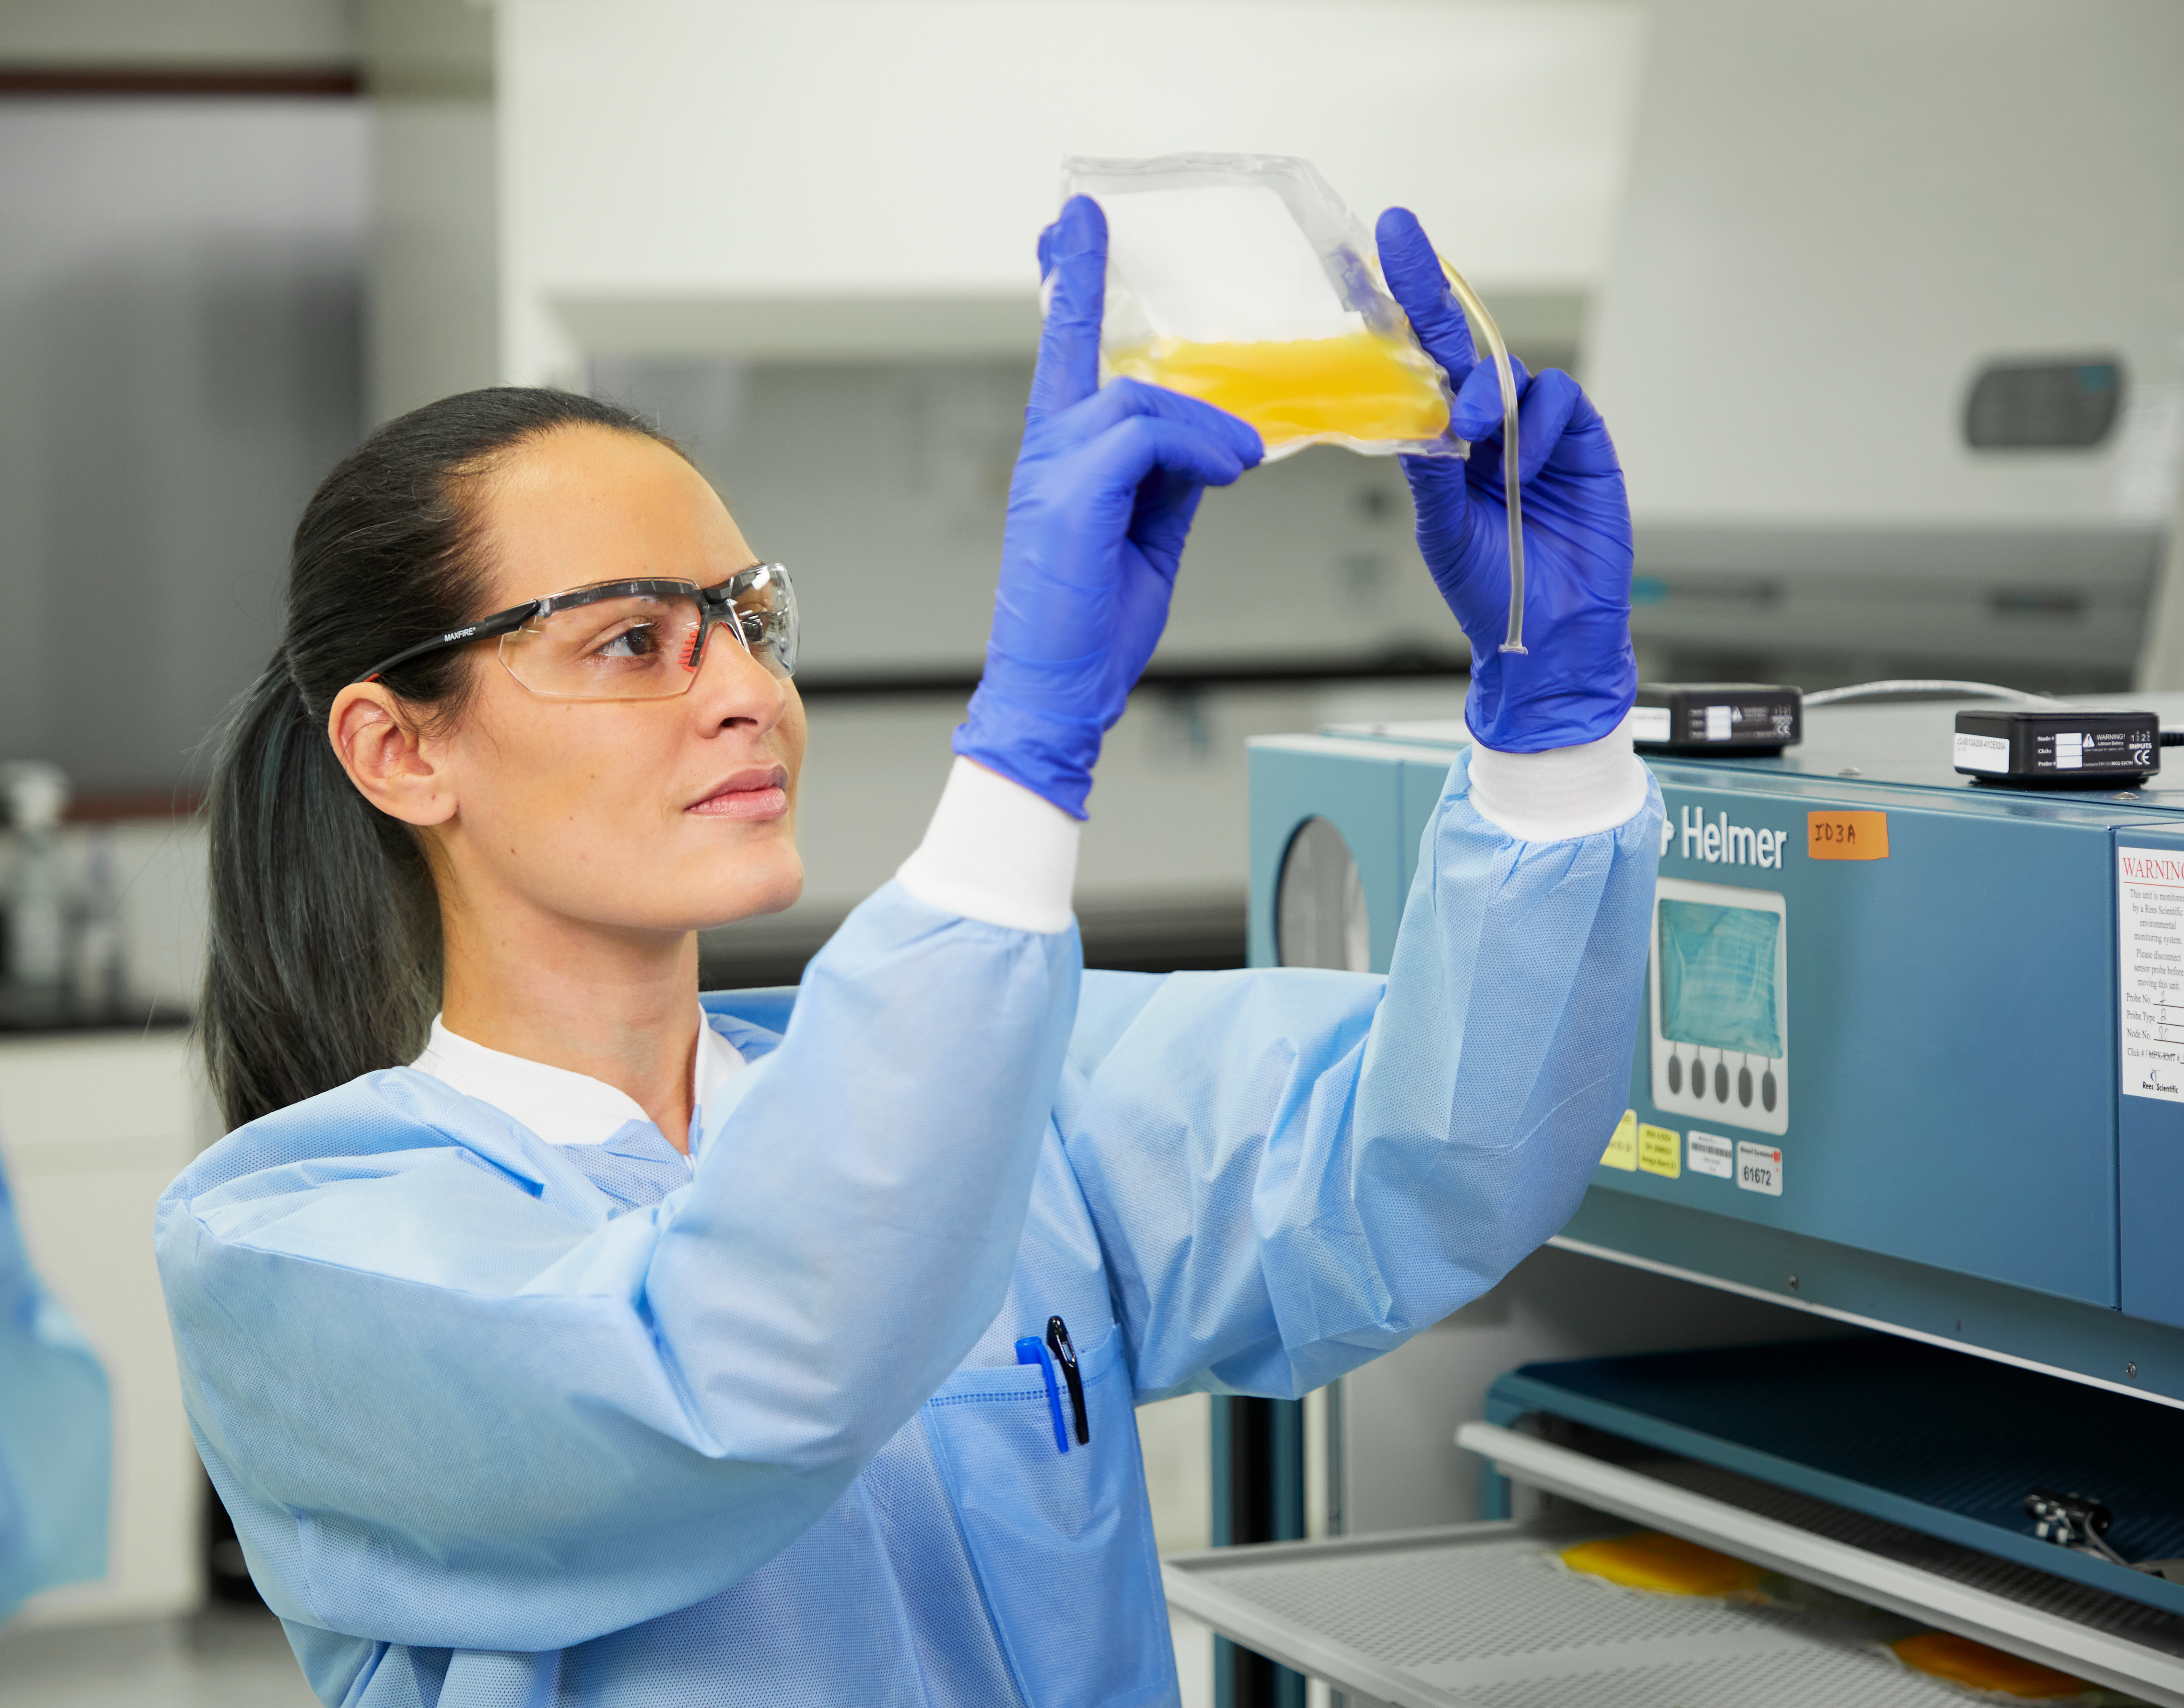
(324, 951)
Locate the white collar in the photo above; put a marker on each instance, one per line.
(561, 1107)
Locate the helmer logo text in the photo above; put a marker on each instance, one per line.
(1721, 843)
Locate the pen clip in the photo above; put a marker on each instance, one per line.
(1029, 1351)
(1065, 1354)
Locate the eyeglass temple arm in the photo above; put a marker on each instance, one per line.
(485, 628)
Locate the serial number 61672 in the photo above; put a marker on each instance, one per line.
(1759, 1168)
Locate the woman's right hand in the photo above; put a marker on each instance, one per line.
(1576, 681)
(1105, 488)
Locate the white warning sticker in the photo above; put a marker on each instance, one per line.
(1759, 1168)
(2150, 970)
(1709, 1153)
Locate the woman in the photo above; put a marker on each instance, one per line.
(618, 1351)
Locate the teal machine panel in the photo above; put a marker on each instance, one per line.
(1911, 1049)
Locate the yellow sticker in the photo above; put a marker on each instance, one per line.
(1622, 1152)
(1661, 1151)
(1846, 835)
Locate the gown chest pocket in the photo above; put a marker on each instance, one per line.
(1062, 1543)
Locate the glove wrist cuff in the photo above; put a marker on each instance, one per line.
(995, 851)
(1050, 755)
(1560, 793)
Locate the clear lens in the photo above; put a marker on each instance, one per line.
(638, 646)
(765, 605)
(643, 640)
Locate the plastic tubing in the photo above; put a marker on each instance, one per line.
(1929, 684)
(1514, 640)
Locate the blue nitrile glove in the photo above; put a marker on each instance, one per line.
(1577, 676)
(1106, 486)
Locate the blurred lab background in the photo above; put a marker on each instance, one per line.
(1883, 300)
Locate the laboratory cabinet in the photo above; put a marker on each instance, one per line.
(1904, 1080)
(93, 1126)
(890, 207)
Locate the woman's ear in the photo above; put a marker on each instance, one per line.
(393, 766)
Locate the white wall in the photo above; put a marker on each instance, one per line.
(1837, 211)
(433, 325)
(881, 157)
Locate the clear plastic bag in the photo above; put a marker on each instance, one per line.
(1243, 280)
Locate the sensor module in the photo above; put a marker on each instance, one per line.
(1760, 718)
(2059, 748)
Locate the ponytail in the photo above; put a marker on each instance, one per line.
(325, 957)
(325, 953)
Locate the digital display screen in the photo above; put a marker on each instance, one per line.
(1718, 977)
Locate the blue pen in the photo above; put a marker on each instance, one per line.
(1029, 1350)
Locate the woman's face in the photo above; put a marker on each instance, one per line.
(638, 816)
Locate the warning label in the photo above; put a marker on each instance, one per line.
(2150, 971)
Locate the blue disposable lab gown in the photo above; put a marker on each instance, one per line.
(56, 1434)
(501, 1423)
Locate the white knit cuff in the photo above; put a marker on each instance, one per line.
(1564, 792)
(997, 852)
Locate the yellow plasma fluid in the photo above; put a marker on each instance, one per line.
(1666, 1564)
(1963, 1661)
(1362, 386)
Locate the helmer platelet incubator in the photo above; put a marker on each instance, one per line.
(1910, 1059)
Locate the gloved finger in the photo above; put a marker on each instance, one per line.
(1072, 265)
(1440, 497)
(1120, 399)
(1585, 446)
(1477, 415)
(1160, 518)
(1120, 459)
(1414, 278)
(1542, 414)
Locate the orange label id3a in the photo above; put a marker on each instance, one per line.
(1846, 835)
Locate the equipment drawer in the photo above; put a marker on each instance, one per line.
(1484, 1615)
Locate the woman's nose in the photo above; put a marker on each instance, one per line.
(732, 687)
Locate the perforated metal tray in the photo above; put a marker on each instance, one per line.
(2124, 1643)
(1484, 1615)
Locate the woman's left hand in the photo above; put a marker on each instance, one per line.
(1577, 676)
(1104, 489)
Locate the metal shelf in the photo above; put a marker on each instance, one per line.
(1484, 1616)
(2109, 1639)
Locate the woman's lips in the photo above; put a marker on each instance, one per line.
(761, 794)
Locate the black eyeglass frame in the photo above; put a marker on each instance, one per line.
(716, 604)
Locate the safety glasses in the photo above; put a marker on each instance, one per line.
(641, 640)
